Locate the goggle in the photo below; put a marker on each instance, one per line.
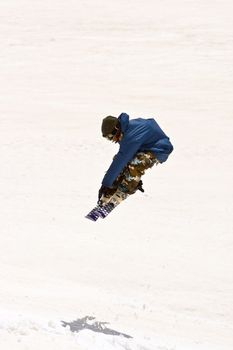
(113, 133)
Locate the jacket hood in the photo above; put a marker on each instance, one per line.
(124, 120)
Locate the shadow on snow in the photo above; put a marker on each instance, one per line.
(87, 323)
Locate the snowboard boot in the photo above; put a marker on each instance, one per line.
(111, 203)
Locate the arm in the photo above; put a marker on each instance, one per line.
(125, 154)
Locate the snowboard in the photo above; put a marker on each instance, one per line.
(106, 206)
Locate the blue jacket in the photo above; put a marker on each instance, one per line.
(138, 135)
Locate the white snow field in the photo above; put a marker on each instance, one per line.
(160, 267)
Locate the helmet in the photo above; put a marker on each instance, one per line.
(108, 125)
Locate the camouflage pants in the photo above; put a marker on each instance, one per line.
(128, 180)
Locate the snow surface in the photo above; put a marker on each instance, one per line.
(160, 268)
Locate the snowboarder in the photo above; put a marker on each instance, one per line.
(142, 144)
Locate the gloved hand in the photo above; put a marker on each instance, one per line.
(102, 191)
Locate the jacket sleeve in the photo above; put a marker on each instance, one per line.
(124, 155)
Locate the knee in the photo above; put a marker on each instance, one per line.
(130, 187)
